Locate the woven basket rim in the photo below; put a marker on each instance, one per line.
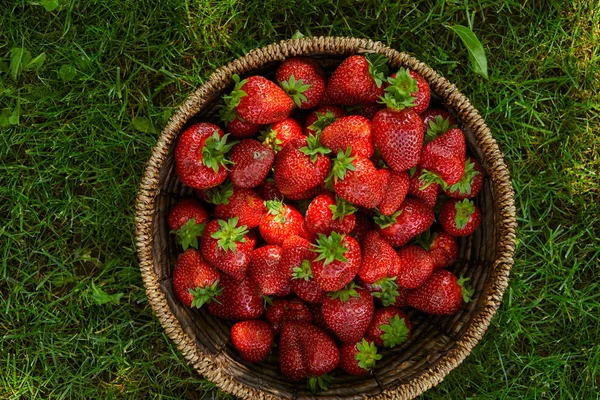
(500, 180)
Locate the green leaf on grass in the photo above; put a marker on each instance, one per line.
(67, 73)
(100, 297)
(297, 35)
(143, 124)
(475, 48)
(37, 62)
(19, 57)
(50, 5)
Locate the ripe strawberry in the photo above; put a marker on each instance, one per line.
(306, 351)
(394, 192)
(445, 156)
(280, 221)
(415, 266)
(287, 310)
(195, 282)
(442, 294)
(187, 220)
(227, 246)
(432, 114)
(424, 186)
(423, 93)
(259, 101)
(231, 202)
(306, 233)
(412, 219)
(379, 267)
(355, 179)
(358, 79)
(389, 327)
(306, 195)
(303, 80)
(337, 262)
(459, 218)
(358, 358)
(301, 165)
(470, 183)
(348, 312)
(279, 134)
(295, 264)
(326, 214)
(253, 339)
(322, 117)
(398, 130)
(252, 161)
(352, 132)
(242, 129)
(401, 300)
(239, 300)
(443, 250)
(364, 223)
(200, 156)
(268, 190)
(265, 271)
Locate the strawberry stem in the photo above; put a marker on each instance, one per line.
(341, 209)
(220, 194)
(378, 68)
(214, 151)
(295, 89)
(319, 383)
(204, 295)
(367, 354)
(385, 221)
(395, 331)
(330, 248)
(278, 209)
(229, 234)
(303, 271)
(346, 292)
(467, 290)
(323, 120)
(187, 235)
(398, 95)
(314, 148)
(341, 165)
(463, 186)
(389, 290)
(427, 178)
(269, 138)
(464, 209)
(437, 127)
(227, 112)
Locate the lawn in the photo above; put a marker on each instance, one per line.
(75, 321)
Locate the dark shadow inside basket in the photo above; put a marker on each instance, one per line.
(432, 338)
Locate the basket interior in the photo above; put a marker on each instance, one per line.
(432, 336)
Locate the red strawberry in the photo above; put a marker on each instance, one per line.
(295, 263)
(337, 262)
(412, 219)
(326, 214)
(242, 129)
(306, 351)
(445, 156)
(320, 118)
(303, 80)
(280, 133)
(442, 294)
(358, 79)
(307, 194)
(252, 161)
(239, 300)
(401, 300)
(460, 217)
(394, 192)
(232, 202)
(268, 190)
(348, 312)
(187, 219)
(195, 282)
(415, 266)
(200, 156)
(364, 223)
(301, 165)
(287, 310)
(227, 247)
(253, 339)
(280, 221)
(389, 327)
(352, 131)
(259, 101)
(265, 271)
(306, 233)
(355, 179)
(443, 250)
(470, 183)
(358, 358)
(431, 115)
(379, 267)
(423, 93)
(424, 186)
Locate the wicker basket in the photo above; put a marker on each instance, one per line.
(438, 344)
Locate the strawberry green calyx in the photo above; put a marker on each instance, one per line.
(227, 113)
(425, 239)
(204, 295)
(323, 120)
(395, 331)
(267, 301)
(341, 209)
(214, 151)
(431, 177)
(220, 194)
(378, 67)
(437, 127)
(467, 291)
(330, 248)
(367, 354)
(229, 234)
(346, 292)
(318, 384)
(385, 221)
(398, 95)
(464, 185)
(314, 148)
(269, 138)
(464, 209)
(389, 290)
(295, 89)
(303, 271)
(341, 165)
(276, 208)
(187, 235)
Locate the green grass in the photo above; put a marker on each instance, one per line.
(69, 172)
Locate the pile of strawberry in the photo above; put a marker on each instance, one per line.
(325, 206)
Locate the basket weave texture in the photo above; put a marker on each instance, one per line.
(438, 343)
